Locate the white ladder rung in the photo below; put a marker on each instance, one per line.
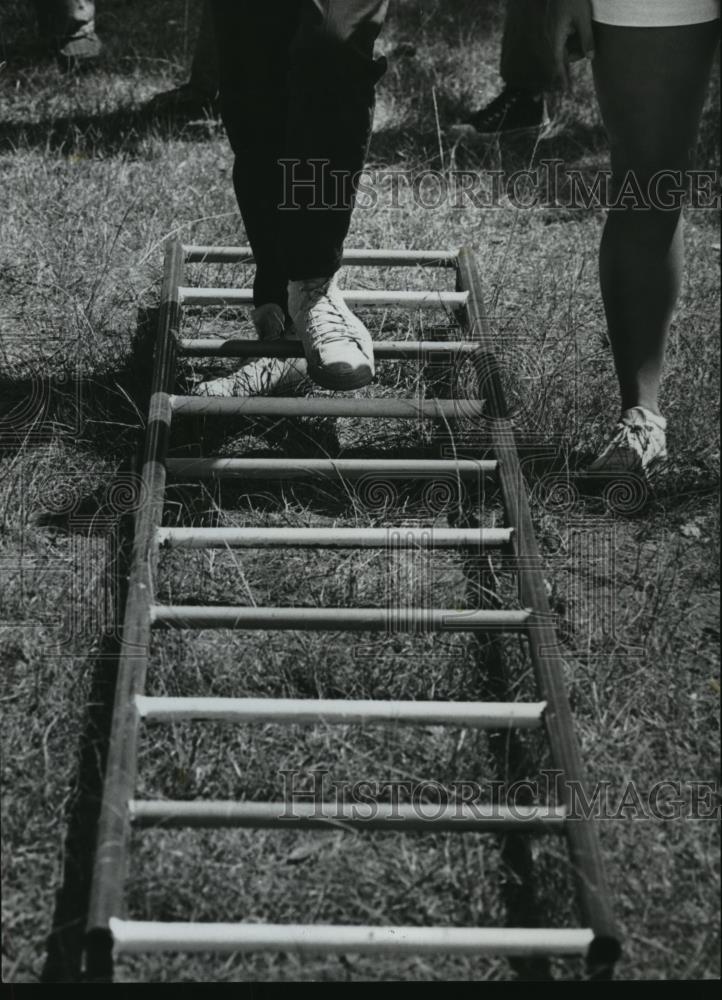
(380, 258)
(395, 470)
(384, 350)
(392, 539)
(191, 296)
(340, 406)
(415, 620)
(429, 817)
(150, 936)
(304, 711)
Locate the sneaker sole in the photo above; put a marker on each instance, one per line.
(340, 383)
(652, 468)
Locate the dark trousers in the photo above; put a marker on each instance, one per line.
(204, 68)
(527, 61)
(297, 80)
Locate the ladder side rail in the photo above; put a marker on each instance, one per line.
(109, 867)
(543, 642)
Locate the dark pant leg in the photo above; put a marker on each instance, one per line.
(297, 82)
(253, 41)
(332, 77)
(204, 68)
(527, 61)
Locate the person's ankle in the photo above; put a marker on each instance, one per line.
(316, 279)
(650, 412)
(270, 321)
(633, 396)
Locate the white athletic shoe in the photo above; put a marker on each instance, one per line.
(337, 345)
(265, 375)
(639, 443)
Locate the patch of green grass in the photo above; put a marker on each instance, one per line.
(90, 190)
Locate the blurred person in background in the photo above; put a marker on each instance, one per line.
(528, 71)
(68, 27)
(198, 97)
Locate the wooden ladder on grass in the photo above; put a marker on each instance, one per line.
(109, 932)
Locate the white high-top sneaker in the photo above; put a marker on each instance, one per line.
(337, 345)
(265, 375)
(638, 443)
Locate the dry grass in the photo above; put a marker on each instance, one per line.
(90, 189)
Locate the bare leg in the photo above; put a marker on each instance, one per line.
(651, 84)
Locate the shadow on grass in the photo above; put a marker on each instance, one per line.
(415, 142)
(523, 903)
(105, 412)
(122, 131)
(66, 941)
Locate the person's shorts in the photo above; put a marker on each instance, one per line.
(655, 13)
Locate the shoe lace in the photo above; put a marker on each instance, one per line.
(330, 324)
(629, 430)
